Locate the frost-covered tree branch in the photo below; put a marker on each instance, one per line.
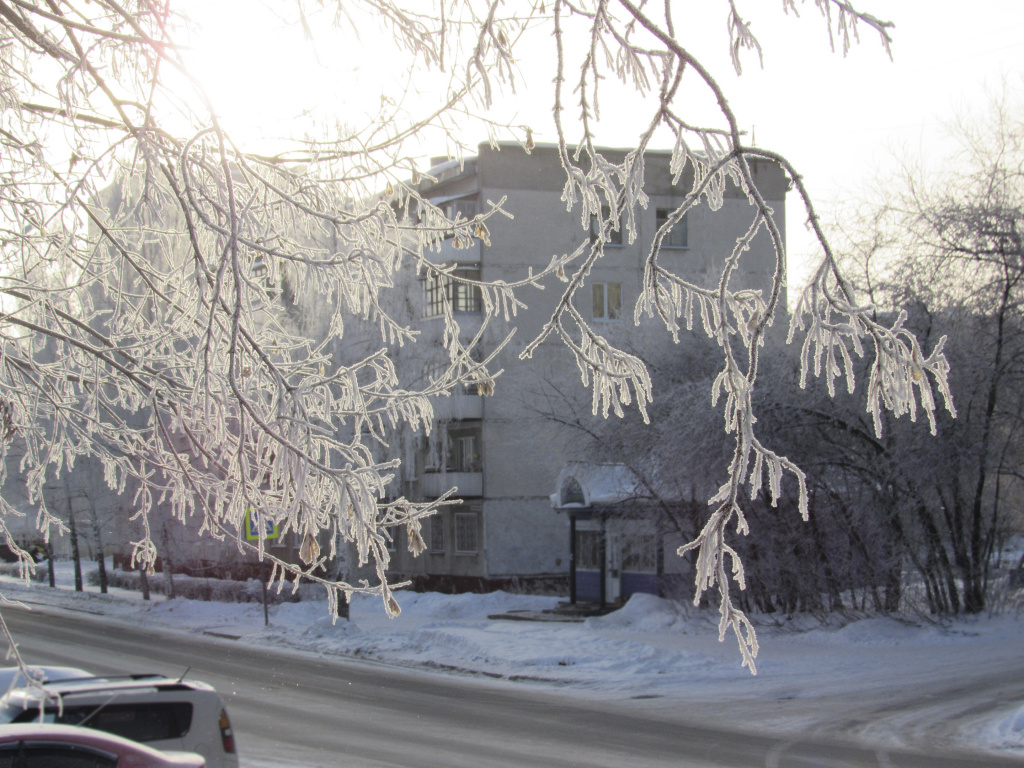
(157, 275)
(646, 53)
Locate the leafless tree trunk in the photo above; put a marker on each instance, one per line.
(101, 563)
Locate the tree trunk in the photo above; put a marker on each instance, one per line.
(144, 578)
(893, 586)
(168, 561)
(341, 573)
(101, 566)
(974, 589)
(896, 550)
(835, 599)
(938, 558)
(75, 554)
(49, 561)
(343, 607)
(101, 562)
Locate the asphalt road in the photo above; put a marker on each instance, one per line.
(294, 709)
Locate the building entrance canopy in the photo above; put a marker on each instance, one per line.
(582, 485)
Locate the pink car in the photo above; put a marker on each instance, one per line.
(37, 745)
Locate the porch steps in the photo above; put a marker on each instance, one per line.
(565, 612)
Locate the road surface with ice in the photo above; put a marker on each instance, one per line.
(882, 683)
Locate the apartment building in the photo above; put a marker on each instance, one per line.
(502, 451)
(530, 512)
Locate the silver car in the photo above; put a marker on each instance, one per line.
(165, 713)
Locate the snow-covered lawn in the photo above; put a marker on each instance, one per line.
(809, 676)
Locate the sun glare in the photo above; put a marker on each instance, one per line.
(268, 79)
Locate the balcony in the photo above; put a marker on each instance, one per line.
(449, 254)
(458, 407)
(434, 484)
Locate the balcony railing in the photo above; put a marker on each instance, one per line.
(437, 483)
(448, 253)
(458, 407)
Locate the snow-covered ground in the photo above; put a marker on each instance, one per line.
(809, 677)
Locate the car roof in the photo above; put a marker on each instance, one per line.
(106, 682)
(88, 737)
(80, 686)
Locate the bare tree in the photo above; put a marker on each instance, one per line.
(948, 243)
(849, 553)
(175, 361)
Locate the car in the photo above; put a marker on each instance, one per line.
(36, 745)
(14, 677)
(163, 712)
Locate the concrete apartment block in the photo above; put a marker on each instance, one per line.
(502, 452)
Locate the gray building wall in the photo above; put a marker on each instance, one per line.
(522, 451)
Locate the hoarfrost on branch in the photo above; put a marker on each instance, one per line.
(155, 272)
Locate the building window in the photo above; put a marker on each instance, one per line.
(607, 301)
(434, 292)
(457, 448)
(588, 550)
(465, 533)
(572, 492)
(614, 236)
(445, 289)
(464, 209)
(463, 452)
(437, 533)
(678, 236)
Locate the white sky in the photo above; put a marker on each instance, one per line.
(839, 120)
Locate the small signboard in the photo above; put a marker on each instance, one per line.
(253, 521)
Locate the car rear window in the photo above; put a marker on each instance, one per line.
(138, 722)
(11, 714)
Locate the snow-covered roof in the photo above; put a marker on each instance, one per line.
(582, 485)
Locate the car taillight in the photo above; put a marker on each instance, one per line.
(227, 736)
